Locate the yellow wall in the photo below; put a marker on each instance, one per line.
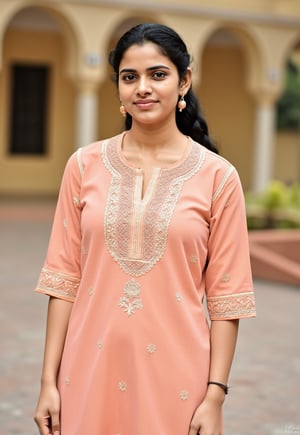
(227, 106)
(287, 157)
(110, 120)
(39, 174)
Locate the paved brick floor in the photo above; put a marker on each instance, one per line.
(265, 394)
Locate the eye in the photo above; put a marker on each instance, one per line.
(128, 77)
(159, 75)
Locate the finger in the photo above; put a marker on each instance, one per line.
(46, 424)
(194, 430)
(43, 424)
(55, 423)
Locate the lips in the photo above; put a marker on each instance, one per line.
(145, 104)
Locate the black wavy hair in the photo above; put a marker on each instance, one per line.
(190, 121)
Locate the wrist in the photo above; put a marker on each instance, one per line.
(224, 387)
(48, 381)
(215, 394)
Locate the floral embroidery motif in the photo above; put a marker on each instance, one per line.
(151, 348)
(136, 228)
(67, 380)
(65, 223)
(178, 297)
(225, 277)
(58, 284)
(184, 395)
(76, 201)
(131, 302)
(231, 306)
(91, 291)
(100, 344)
(122, 386)
(194, 258)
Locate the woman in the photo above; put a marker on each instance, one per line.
(147, 224)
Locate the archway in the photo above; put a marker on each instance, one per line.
(36, 100)
(229, 67)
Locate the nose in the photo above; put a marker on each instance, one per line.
(143, 86)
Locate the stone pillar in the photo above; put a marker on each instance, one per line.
(86, 114)
(265, 131)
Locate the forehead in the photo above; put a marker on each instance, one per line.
(145, 55)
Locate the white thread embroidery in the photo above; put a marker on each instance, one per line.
(131, 302)
(151, 348)
(138, 251)
(184, 395)
(122, 386)
(178, 297)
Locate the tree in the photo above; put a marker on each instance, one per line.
(288, 107)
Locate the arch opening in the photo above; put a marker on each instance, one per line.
(36, 100)
(228, 65)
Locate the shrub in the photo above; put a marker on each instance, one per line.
(277, 207)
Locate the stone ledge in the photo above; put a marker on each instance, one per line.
(275, 255)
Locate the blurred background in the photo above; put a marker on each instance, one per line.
(56, 94)
(56, 91)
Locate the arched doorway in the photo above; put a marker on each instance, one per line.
(36, 102)
(227, 103)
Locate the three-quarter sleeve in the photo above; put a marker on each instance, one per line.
(229, 288)
(60, 275)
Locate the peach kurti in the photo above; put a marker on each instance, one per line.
(137, 268)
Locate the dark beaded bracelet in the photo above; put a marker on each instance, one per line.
(224, 387)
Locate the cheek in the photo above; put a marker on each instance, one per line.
(123, 91)
(172, 97)
(171, 92)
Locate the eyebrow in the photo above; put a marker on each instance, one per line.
(151, 68)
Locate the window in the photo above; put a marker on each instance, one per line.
(29, 107)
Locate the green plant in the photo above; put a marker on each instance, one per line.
(288, 107)
(277, 207)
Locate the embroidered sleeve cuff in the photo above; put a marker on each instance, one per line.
(58, 285)
(234, 306)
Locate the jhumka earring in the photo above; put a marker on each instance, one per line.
(181, 104)
(123, 110)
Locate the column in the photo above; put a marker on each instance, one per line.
(86, 114)
(265, 131)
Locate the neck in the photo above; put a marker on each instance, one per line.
(147, 137)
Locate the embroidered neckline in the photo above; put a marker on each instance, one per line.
(136, 230)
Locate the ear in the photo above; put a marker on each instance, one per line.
(186, 82)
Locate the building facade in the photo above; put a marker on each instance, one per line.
(56, 92)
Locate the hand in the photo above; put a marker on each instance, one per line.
(207, 419)
(47, 411)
